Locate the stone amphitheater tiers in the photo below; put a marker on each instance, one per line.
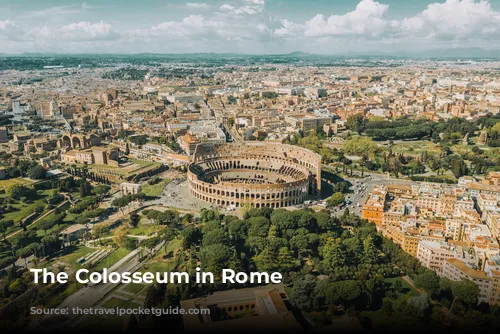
(254, 174)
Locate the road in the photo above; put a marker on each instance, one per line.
(90, 295)
(370, 183)
(176, 195)
(36, 220)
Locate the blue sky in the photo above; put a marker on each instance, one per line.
(247, 26)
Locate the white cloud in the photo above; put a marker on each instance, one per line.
(366, 19)
(289, 28)
(5, 24)
(11, 31)
(193, 26)
(197, 5)
(246, 26)
(75, 32)
(250, 7)
(257, 2)
(453, 20)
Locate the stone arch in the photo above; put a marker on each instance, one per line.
(77, 143)
(66, 141)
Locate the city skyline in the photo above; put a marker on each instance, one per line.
(248, 26)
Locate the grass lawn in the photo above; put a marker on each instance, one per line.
(142, 166)
(462, 149)
(111, 259)
(70, 259)
(155, 189)
(415, 147)
(145, 229)
(143, 163)
(70, 218)
(134, 287)
(114, 302)
(143, 292)
(22, 210)
(171, 247)
(5, 184)
(406, 288)
(490, 151)
(381, 320)
(157, 267)
(56, 299)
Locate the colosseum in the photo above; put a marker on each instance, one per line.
(254, 174)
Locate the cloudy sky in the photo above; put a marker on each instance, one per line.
(247, 26)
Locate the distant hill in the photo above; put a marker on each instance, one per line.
(299, 54)
(457, 53)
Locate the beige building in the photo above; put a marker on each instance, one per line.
(260, 308)
(408, 239)
(94, 155)
(130, 188)
(455, 270)
(432, 255)
(188, 143)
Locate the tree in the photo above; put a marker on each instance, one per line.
(4, 226)
(238, 230)
(387, 307)
(428, 281)
(98, 230)
(101, 190)
(302, 292)
(466, 291)
(341, 187)
(374, 287)
(334, 254)
(335, 199)
(16, 191)
(217, 236)
(85, 189)
(398, 286)
(359, 146)
(286, 260)
(371, 253)
(420, 304)
(191, 236)
(259, 227)
(37, 172)
(51, 244)
(356, 123)
(120, 236)
(134, 219)
(215, 258)
(341, 292)
(324, 221)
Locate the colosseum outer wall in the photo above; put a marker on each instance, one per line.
(254, 174)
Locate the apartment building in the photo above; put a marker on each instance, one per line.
(455, 270)
(432, 254)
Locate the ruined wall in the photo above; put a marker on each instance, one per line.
(283, 175)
